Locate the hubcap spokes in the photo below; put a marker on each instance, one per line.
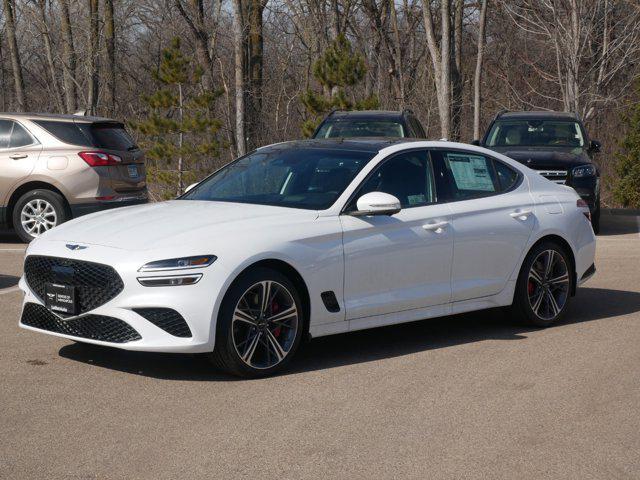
(548, 284)
(265, 324)
(38, 216)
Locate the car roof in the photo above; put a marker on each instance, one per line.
(367, 114)
(368, 144)
(537, 115)
(65, 117)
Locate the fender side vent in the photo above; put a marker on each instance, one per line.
(330, 301)
(167, 319)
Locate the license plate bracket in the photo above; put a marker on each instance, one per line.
(61, 298)
(133, 171)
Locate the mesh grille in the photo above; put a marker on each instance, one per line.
(168, 320)
(95, 283)
(95, 327)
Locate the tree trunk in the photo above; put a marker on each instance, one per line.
(240, 68)
(440, 58)
(68, 58)
(110, 70)
(46, 38)
(194, 16)
(18, 80)
(254, 45)
(456, 72)
(477, 79)
(92, 64)
(398, 55)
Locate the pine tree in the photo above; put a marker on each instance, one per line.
(337, 71)
(180, 134)
(627, 187)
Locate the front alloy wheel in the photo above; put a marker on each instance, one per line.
(260, 324)
(265, 324)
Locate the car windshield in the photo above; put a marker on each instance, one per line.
(309, 178)
(535, 133)
(360, 128)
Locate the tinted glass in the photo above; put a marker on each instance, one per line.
(535, 133)
(19, 137)
(108, 135)
(507, 176)
(360, 128)
(468, 175)
(408, 177)
(67, 132)
(310, 178)
(418, 128)
(5, 133)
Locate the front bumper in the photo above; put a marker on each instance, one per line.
(196, 304)
(589, 190)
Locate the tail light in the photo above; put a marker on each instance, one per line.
(580, 203)
(100, 159)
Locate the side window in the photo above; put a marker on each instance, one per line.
(506, 175)
(5, 133)
(407, 176)
(468, 175)
(19, 137)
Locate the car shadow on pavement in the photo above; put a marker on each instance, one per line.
(367, 345)
(7, 281)
(8, 236)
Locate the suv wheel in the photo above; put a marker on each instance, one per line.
(544, 286)
(36, 212)
(259, 326)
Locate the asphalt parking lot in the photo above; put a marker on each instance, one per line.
(470, 396)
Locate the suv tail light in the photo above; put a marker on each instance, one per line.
(580, 203)
(100, 159)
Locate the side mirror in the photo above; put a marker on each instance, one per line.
(475, 142)
(190, 187)
(595, 146)
(377, 203)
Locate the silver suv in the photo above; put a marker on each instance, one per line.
(57, 167)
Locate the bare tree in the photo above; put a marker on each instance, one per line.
(92, 57)
(477, 78)
(441, 60)
(110, 68)
(193, 14)
(46, 40)
(18, 80)
(68, 58)
(592, 41)
(456, 71)
(240, 75)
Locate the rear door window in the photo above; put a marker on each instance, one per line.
(68, 132)
(467, 175)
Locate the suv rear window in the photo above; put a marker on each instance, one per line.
(98, 135)
(360, 128)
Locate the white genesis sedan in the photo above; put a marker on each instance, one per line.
(313, 238)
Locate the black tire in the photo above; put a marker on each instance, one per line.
(522, 307)
(595, 220)
(51, 198)
(226, 356)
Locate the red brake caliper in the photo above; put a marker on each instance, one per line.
(274, 309)
(531, 288)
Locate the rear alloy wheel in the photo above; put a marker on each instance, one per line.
(37, 212)
(260, 325)
(544, 285)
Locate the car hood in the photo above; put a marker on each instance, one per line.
(176, 222)
(546, 158)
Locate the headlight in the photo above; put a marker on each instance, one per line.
(584, 171)
(184, 263)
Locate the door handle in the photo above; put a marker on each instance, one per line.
(521, 215)
(18, 156)
(437, 227)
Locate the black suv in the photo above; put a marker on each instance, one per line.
(370, 123)
(554, 143)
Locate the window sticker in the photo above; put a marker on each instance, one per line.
(470, 172)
